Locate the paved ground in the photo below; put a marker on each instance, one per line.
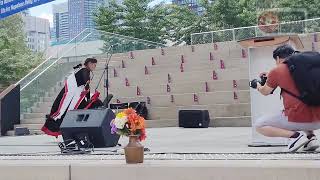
(183, 154)
(159, 140)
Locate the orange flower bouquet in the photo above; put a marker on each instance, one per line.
(127, 123)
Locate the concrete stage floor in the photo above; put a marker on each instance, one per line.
(212, 153)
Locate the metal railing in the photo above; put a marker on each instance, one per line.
(236, 34)
(40, 82)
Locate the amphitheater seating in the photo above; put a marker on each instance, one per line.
(207, 76)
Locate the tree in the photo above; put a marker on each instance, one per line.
(16, 59)
(132, 18)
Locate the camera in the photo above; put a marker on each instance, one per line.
(254, 83)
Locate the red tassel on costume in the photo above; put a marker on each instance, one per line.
(235, 96)
(195, 98)
(214, 75)
(172, 98)
(162, 51)
(123, 65)
(131, 55)
(207, 87)
(182, 59)
(169, 78)
(146, 70)
(235, 84)
(168, 88)
(244, 54)
(153, 62)
(181, 67)
(215, 46)
(118, 101)
(211, 56)
(222, 64)
(138, 91)
(127, 82)
(115, 74)
(148, 100)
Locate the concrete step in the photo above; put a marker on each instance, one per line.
(161, 123)
(30, 126)
(33, 121)
(10, 133)
(34, 115)
(241, 121)
(217, 110)
(36, 132)
(204, 98)
(181, 77)
(176, 88)
(173, 68)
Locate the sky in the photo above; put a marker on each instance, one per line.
(45, 10)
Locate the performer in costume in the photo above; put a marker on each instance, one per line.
(74, 95)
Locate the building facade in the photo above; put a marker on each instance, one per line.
(81, 15)
(37, 33)
(60, 22)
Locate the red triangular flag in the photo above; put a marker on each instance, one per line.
(181, 67)
(138, 91)
(244, 54)
(235, 84)
(222, 64)
(195, 98)
(235, 96)
(153, 62)
(127, 82)
(172, 98)
(123, 65)
(115, 74)
(215, 46)
(313, 46)
(146, 70)
(169, 78)
(214, 75)
(207, 87)
(182, 59)
(315, 37)
(211, 56)
(131, 55)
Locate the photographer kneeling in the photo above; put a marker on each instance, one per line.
(297, 115)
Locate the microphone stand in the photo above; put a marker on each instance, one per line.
(106, 71)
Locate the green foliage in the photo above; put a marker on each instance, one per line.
(167, 22)
(16, 60)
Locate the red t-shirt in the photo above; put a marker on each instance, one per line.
(295, 109)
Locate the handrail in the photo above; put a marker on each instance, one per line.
(51, 64)
(289, 22)
(91, 31)
(123, 36)
(47, 59)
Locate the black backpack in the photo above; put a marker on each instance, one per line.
(305, 70)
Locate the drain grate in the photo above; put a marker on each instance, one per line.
(169, 156)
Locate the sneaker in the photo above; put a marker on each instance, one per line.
(297, 143)
(312, 145)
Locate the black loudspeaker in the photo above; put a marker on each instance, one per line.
(94, 123)
(194, 118)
